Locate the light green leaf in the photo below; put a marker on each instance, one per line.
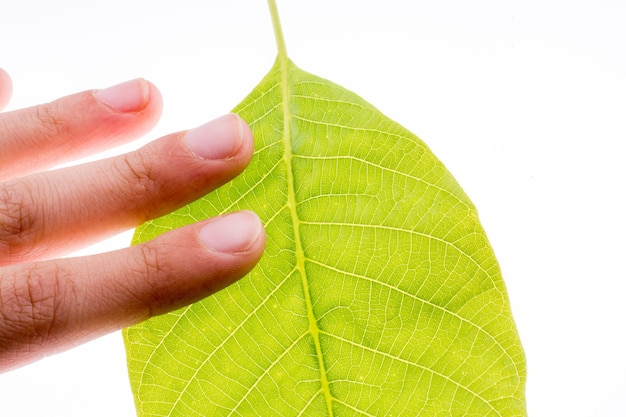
(378, 294)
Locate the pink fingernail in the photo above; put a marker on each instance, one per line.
(126, 97)
(232, 233)
(218, 139)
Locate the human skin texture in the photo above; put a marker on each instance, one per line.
(48, 304)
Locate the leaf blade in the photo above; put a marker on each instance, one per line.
(378, 285)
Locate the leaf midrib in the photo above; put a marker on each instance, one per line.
(300, 257)
(292, 202)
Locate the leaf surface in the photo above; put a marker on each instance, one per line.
(378, 294)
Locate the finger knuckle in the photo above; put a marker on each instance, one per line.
(154, 270)
(43, 294)
(139, 177)
(32, 308)
(147, 281)
(19, 218)
(50, 121)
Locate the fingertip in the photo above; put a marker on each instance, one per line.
(220, 138)
(154, 108)
(6, 88)
(247, 137)
(156, 99)
(244, 127)
(130, 96)
(134, 106)
(240, 232)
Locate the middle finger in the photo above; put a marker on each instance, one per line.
(51, 213)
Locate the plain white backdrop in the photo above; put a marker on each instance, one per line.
(525, 102)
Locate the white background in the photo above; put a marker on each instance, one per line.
(524, 101)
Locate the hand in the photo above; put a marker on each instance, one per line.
(48, 304)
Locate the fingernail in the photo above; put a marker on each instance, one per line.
(125, 97)
(232, 233)
(218, 139)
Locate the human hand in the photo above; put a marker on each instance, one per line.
(49, 304)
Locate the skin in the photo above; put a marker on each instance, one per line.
(49, 304)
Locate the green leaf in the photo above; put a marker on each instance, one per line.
(378, 294)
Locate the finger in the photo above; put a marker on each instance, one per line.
(5, 88)
(53, 305)
(74, 126)
(49, 214)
